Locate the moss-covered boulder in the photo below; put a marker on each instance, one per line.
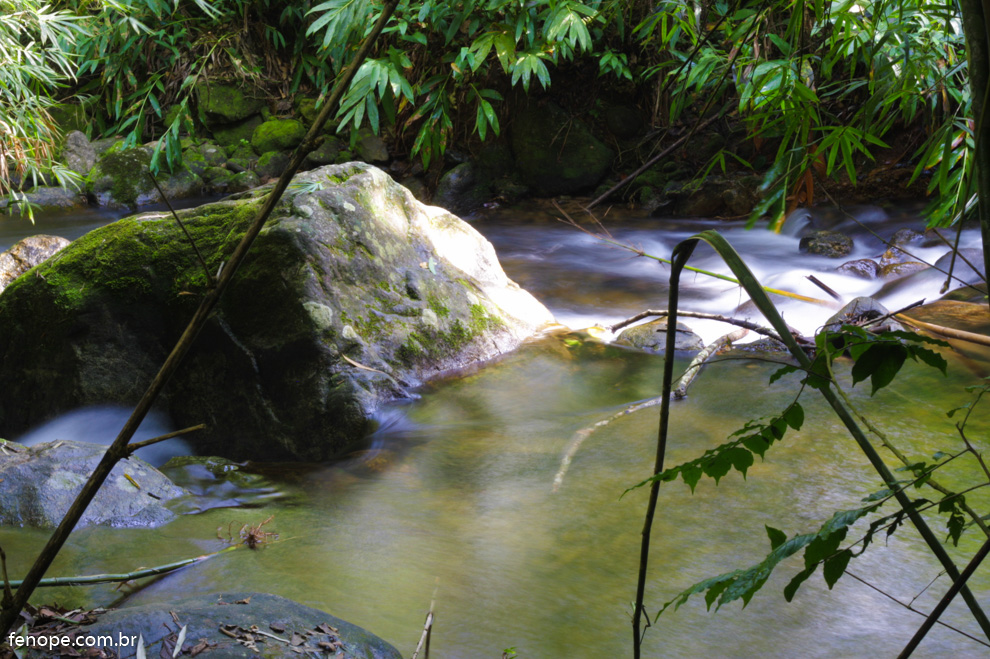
(353, 294)
(278, 135)
(555, 153)
(224, 104)
(120, 179)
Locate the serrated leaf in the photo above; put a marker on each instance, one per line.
(781, 372)
(777, 537)
(791, 588)
(835, 567)
(930, 357)
(823, 546)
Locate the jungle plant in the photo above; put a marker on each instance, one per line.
(877, 358)
(35, 59)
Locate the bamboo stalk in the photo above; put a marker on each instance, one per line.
(119, 449)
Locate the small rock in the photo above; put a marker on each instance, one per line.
(371, 148)
(278, 135)
(860, 310)
(862, 268)
(827, 243)
(901, 269)
(26, 254)
(652, 337)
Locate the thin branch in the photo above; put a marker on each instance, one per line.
(943, 603)
(745, 324)
(914, 610)
(134, 446)
(199, 255)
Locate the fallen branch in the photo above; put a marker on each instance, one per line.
(52, 582)
(134, 446)
(962, 335)
(578, 438)
(424, 638)
(745, 324)
(680, 389)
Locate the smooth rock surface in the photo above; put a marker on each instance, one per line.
(26, 254)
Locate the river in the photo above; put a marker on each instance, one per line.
(455, 502)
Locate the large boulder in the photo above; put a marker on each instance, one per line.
(555, 153)
(121, 179)
(41, 482)
(353, 293)
(227, 624)
(224, 104)
(26, 254)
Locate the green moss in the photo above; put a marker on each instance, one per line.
(127, 170)
(437, 306)
(482, 321)
(278, 135)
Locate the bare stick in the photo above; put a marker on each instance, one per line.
(161, 438)
(745, 324)
(820, 284)
(943, 603)
(118, 449)
(424, 638)
(680, 389)
(949, 332)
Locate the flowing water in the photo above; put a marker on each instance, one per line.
(455, 501)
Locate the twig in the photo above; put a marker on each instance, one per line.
(745, 324)
(118, 450)
(199, 255)
(161, 438)
(8, 596)
(820, 284)
(680, 389)
(945, 601)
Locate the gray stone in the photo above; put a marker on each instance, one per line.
(204, 615)
(354, 293)
(41, 482)
(26, 254)
(56, 198)
(860, 310)
(271, 164)
(78, 153)
(243, 181)
(827, 243)
(652, 337)
(325, 154)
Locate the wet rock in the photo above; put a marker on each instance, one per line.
(860, 310)
(454, 188)
(555, 153)
(56, 198)
(354, 293)
(325, 154)
(862, 268)
(41, 482)
(278, 135)
(26, 254)
(204, 615)
(961, 270)
(78, 153)
(243, 181)
(826, 243)
(967, 316)
(652, 337)
(896, 270)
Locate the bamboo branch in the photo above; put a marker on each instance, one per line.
(52, 582)
(118, 449)
(949, 332)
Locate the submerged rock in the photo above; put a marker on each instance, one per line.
(26, 254)
(652, 337)
(353, 293)
(41, 482)
(318, 633)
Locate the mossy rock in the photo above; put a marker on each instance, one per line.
(221, 103)
(271, 164)
(232, 134)
(243, 181)
(120, 178)
(349, 270)
(826, 243)
(556, 153)
(277, 135)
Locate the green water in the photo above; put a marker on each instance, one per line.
(458, 505)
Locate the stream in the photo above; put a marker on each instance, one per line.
(454, 501)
